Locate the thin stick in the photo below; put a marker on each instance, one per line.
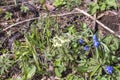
(27, 20)
(64, 14)
(44, 15)
(102, 25)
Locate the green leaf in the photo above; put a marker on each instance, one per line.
(58, 3)
(19, 78)
(82, 69)
(118, 78)
(115, 45)
(105, 47)
(103, 78)
(57, 63)
(102, 6)
(75, 77)
(94, 70)
(111, 3)
(72, 29)
(84, 26)
(117, 68)
(57, 72)
(42, 1)
(93, 7)
(24, 9)
(8, 15)
(69, 77)
(31, 72)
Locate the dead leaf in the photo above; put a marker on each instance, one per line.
(49, 7)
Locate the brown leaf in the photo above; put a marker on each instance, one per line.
(49, 7)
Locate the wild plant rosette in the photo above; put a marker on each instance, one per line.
(99, 54)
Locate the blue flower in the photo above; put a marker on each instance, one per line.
(109, 69)
(96, 44)
(80, 41)
(95, 37)
(86, 48)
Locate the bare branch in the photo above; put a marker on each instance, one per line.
(102, 25)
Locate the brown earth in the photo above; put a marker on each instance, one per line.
(112, 22)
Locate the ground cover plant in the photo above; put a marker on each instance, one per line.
(55, 49)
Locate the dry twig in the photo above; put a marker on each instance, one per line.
(101, 24)
(69, 13)
(43, 15)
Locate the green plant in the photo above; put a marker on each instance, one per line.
(27, 53)
(72, 4)
(24, 8)
(102, 5)
(8, 15)
(58, 3)
(93, 7)
(42, 1)
(69, 4)
(93, 60)
(5, 64)
(28, 71)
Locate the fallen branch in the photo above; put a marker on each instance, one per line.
(102, 25)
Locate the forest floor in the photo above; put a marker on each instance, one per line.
(16, 22)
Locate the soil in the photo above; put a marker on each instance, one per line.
(111, 21)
